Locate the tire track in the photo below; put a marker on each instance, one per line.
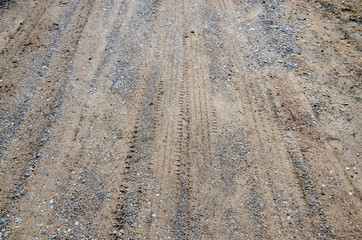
(138, 174)
(170, 154)
(234, 226)
(79, 29)
(291, 164)
(308, 168)
(130, 197)
(160, 151)
(258, 194)
(183, 161)
(200, 131)
(274, 186)
(172, 120)
(301, 175)
(308, 175)
(53, 93)
(159, 102)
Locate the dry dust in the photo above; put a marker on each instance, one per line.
(158, 119)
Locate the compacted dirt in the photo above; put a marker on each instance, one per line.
(182, 119)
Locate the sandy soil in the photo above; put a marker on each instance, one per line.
(193, 119)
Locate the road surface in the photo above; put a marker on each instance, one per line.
(193, 119)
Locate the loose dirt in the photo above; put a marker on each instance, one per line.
(157, 119)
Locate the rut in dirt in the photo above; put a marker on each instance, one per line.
(187, 119)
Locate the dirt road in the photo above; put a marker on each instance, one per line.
(192, 119)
